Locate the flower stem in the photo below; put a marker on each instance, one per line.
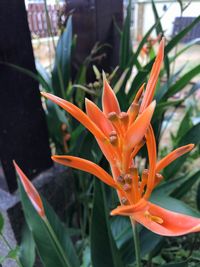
(57, 243)
(10, 248)
(136, 243)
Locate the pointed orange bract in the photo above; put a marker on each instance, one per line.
(77, 114)
(98, 117)
(152, 155)
(151, 85)
(109, 100)
(173, 156)
(87, 166)
(31, 191)
(138, 129)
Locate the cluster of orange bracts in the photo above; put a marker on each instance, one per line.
(120, 136)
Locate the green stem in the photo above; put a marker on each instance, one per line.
(10, 248)
(57, 243)
(136, 243)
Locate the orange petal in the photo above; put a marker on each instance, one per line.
(152, 156)
(137, 97)
(98, 117)
(173, 156)
(151, 85)
(87, 166)
(138, 129)
(77, 114)
(31, 191)
(161, 221)
(109, 100)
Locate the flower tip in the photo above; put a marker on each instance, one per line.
(113, 212)
(191, 146)
(43, 94)
(153, 104)
(31, 191)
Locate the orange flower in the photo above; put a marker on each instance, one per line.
(120, 136)
(31, 192)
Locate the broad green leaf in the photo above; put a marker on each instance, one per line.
(104, 251)
(121, 229)
(27, 248)
(46, 247)
(1, 223)
(148, 241)
(61, 71)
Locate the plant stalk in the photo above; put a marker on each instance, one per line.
(10, 248)
(136, 243)
(54, 237)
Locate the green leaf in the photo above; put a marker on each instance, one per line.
(165, 87)
(192, 136)
(177, 264)
(140, 78)
(46, 247)
(56, 117)
(176, 39)
(125, 44)
(61, 71)
(185, 125)
(198, 197)
(35, 76)
(1, 223)
(183, 81)
(180, 191)
(185, 48)
(27, 248)
(168, 186)
(44, 75)
(13, 254)
(104, 251)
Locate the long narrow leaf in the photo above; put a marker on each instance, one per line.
(104, 251)
(46, 246)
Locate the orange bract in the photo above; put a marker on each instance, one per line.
(120, 136)
(31, 191)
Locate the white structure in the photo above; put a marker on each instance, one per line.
(168, 10)
(49, 2)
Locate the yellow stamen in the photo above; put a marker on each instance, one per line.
(153, 218)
